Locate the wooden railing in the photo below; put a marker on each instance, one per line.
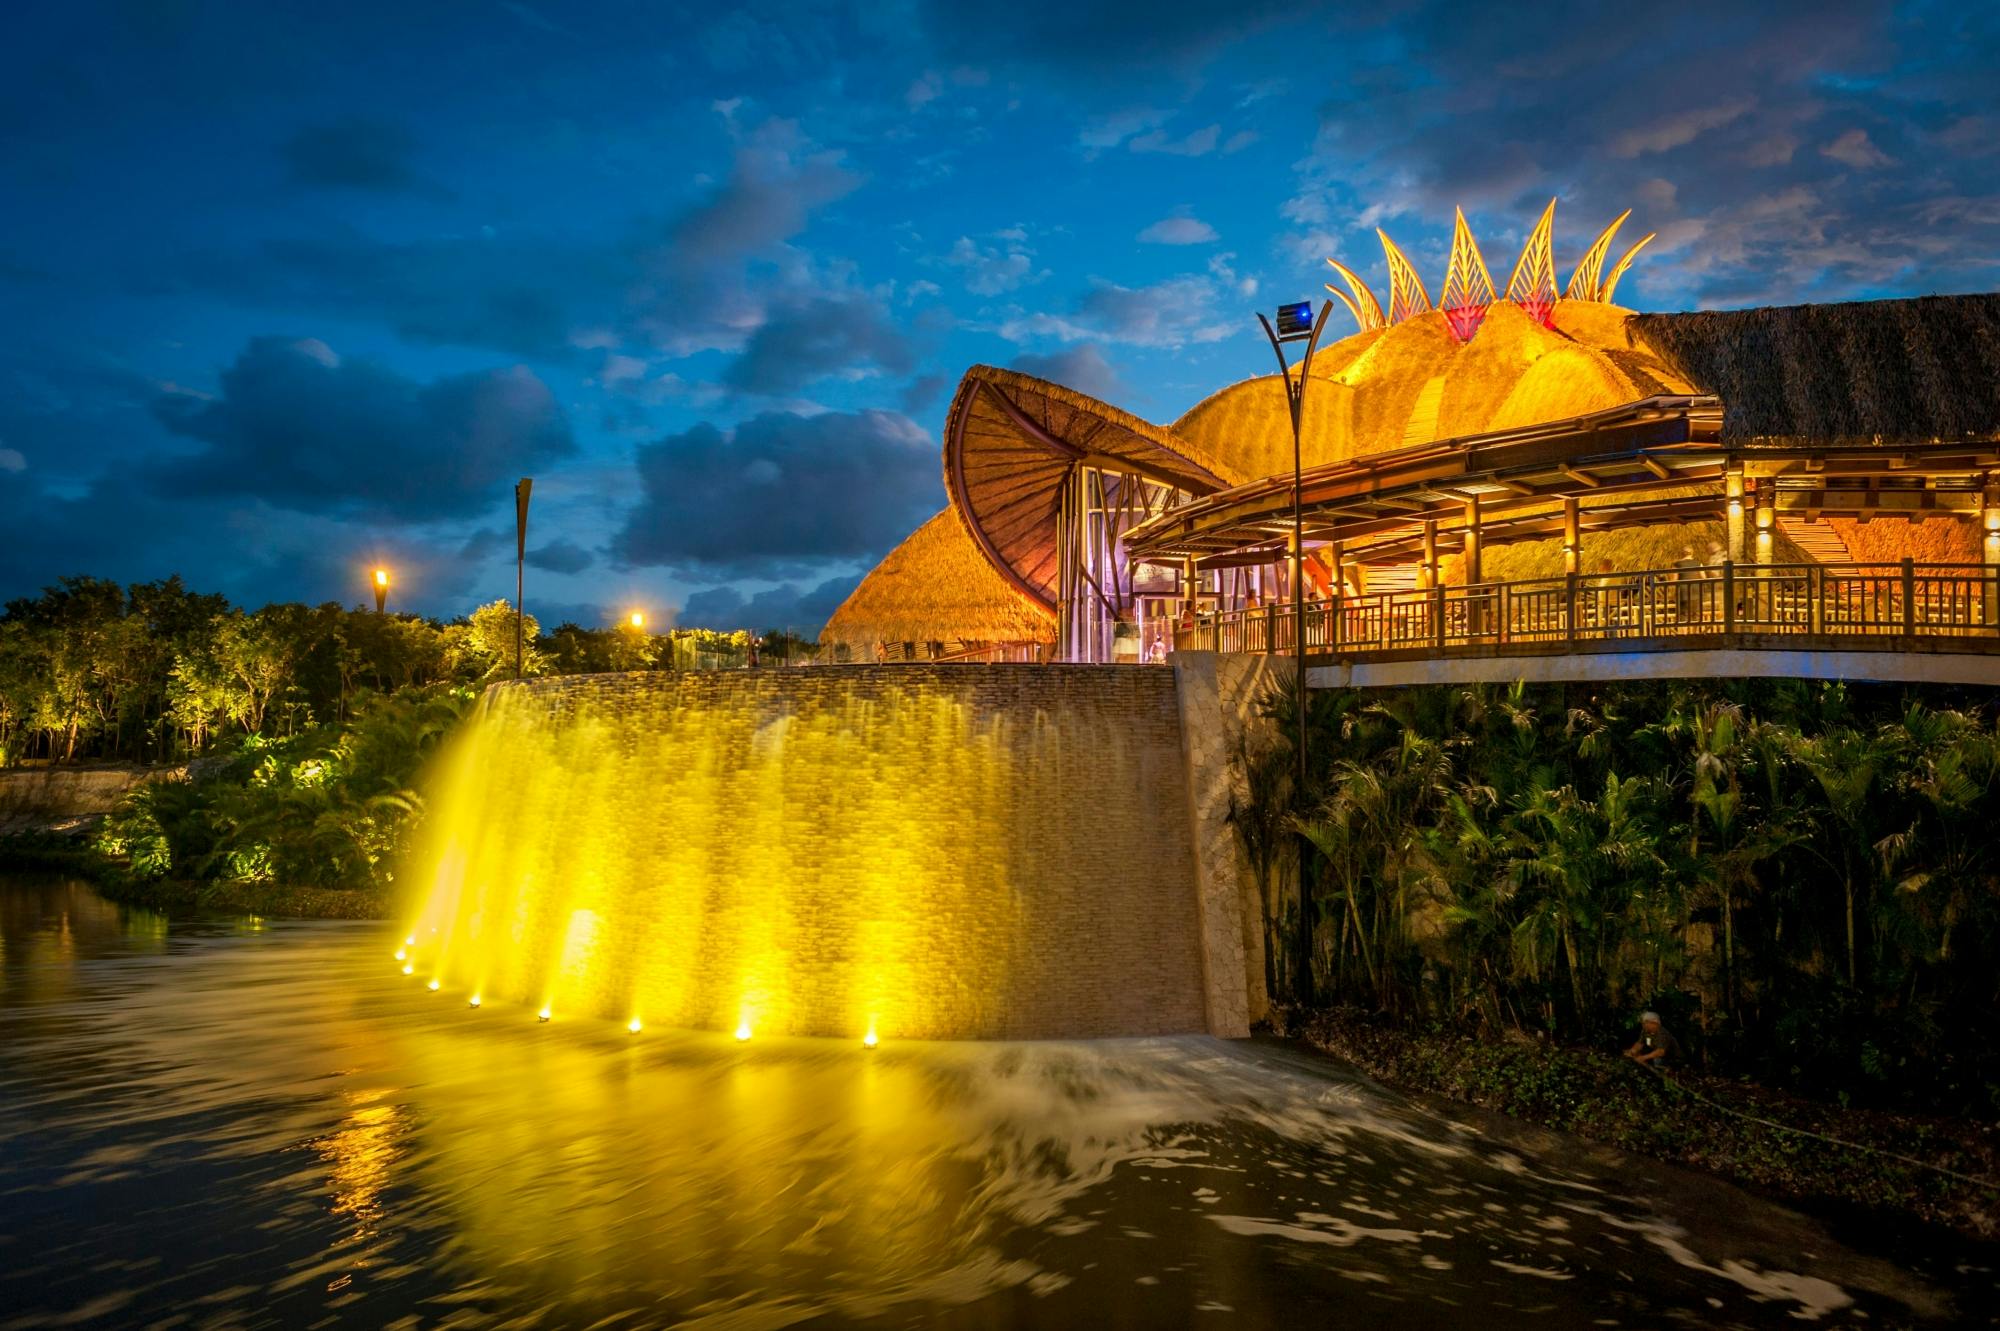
(1855, 605)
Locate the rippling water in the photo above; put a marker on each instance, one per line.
(242, 1123)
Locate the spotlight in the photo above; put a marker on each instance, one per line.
(743, 1030)
(402, 955)
(543, 1015)
(474, 1001)
(433, 986)
(633, 1025)
(408, 969)
(869, 1041)
(411, 941)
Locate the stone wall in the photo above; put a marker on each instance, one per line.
(943, 851)
(44, 797)
(1219, 695)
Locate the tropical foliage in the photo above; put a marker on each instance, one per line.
(1802, 877)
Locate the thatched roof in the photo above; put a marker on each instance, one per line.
(1902, 371)
(937, 587)
(1010, 442)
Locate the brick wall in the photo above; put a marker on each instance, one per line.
(947, 851)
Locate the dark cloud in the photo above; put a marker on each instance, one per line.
(303, 429)
(1082, 368)
(1089, 38)
(561, 556)
(781, 491)
(353, 154)
(803, 610)
(813, 338)
(923, 390)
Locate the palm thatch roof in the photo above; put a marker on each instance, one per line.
(1897, 371)
(1010, 442)
(937, 587)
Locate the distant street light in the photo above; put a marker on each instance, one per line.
(638, 620)
(381, 589)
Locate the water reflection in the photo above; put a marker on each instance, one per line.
(273, 1127)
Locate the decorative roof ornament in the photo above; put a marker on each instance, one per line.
(1583, 282)
(1533, 285)
(1468, 287)
(1611, 283)
(1407, 296)
(1367, 311)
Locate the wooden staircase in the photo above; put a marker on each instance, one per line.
(1820, 542)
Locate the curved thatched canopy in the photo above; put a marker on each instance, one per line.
(937, 587)
(1011, 440)
(1897, 371)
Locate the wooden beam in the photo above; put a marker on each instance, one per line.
(1654, 465)
(1582, 478)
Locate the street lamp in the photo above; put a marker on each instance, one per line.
(1296, 323)
(381, 589)
(638, 619)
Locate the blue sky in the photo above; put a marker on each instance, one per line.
(295, 288)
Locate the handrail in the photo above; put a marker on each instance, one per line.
(1858, 604)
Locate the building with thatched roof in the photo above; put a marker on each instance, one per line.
(1498, 435)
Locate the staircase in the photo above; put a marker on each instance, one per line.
(1820, 542)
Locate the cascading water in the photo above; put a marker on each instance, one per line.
(916, 852)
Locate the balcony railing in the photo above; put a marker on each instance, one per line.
(1887, 606)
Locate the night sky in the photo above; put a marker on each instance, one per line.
(290, 289)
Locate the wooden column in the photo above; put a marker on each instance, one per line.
(1732, 522)
(1474, 573)
(1572, 536)
(1430, 578)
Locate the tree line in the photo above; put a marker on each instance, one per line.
(155, 672)
(1803, 877)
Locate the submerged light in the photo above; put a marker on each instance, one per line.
(409, 969)
(869, 1041)
(633, 1025)
(543, 1015)
(743, 1030)
(434, 986)
(411, 941)
(473, 1001)
(402, 955)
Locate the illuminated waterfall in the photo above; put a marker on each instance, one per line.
(826, 852)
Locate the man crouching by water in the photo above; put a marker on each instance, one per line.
(1655, 1044)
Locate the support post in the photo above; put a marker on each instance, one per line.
(1729, 596)
(521, 493)
(1572, 536)
(1732, 489)
(1909, 597)
(1475, 573)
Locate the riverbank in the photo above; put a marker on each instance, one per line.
(1762, 1139)
(76, 853)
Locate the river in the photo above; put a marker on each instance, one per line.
(240, 1122)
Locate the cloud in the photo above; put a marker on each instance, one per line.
(303, 429)
(1179, 229)
(1681, 127)
(1091, 41)
(1855, 149)
(816, 337)
(1172, 314)
(779, 491)
(351, 154)
(779, 177)
(561, 556)
(990, 270)
(1082, 368)
(1200, 143)
(11, 460)
(1114, 127)
(803, 610)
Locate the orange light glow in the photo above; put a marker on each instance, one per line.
(638, 619)
(381, 577)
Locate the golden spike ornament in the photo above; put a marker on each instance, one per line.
(1583, 282)
(1610, 286)
(1407, 297)
(1468, 287)
(1367, 311)
(1533, 284)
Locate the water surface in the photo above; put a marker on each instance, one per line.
(250, 1123)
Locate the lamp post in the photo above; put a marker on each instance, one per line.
(638, 620)
(1296, 323)
(381, 589)
(521, 491)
